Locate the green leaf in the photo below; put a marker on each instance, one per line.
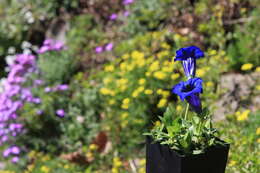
(196, 119)
(208, 124)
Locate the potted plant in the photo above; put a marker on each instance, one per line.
(187, 142)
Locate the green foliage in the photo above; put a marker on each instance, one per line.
(56, 67)
(245, 143)
(147, 15)
(50, 133)
(245, 46)
(188, 136)
(84, 33)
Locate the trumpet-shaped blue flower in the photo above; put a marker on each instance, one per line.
(188, 56)
(190, 91)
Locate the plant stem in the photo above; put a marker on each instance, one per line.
(186, 111)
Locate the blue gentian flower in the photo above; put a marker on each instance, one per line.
(188, 56)
(190, 91)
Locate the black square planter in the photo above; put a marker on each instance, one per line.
(162, 159)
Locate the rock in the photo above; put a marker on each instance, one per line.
(237, 92)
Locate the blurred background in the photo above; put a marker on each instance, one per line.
(82, 80)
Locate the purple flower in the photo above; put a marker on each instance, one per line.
(47, 89)
(15, 150)
(36, 100)
(188, 56)
(38, 82)
(43, 49)
(99, 49)
(113, 16)
(61, 113)
(190, 91)
(126, 2)
(39, 112)
(51, 45)
(15, 159)
(62, 87)
(7, 152)
(126, 13)
(109, 46)
(58, 46)
(48, 42)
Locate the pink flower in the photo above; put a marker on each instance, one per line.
(127, 2)
(113, 16)
(15, 159)
(61, 113)
(99, 49)
(109, 46)
(126, 13)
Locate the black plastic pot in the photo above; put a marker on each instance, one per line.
(162, 159)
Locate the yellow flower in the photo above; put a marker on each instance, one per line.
(117, 162)
(89, 155)
(165, 46)
(137, 55)
(212, 52)
(107, 80)
(209, 84)
(115, 170)
(246, 67)
(123, 66)
(167, 69)
(157, 123)
(159, 75)
(105, 91)
(177, 37)
(258, 87)
(141, 170)
(159, 91)
(162, 103)
(257, 69)
(66, 166)
(111, 102)
(130, 67)
(258, 140)
(165, 94)
(148, 74)
(109, 68)
(232, 163)
(178, 108)
(148, 91)
(140, 89)
(122, 81)
(45, 169)
(93, 147)
(124, 115)
(258, 131)
(154, 66)
(141, 81)
(175, 76)
(142, 162)
(122, 87)
(135, 93)
(162, 54)
(243, 116)
(200, 72)
(125, 104)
